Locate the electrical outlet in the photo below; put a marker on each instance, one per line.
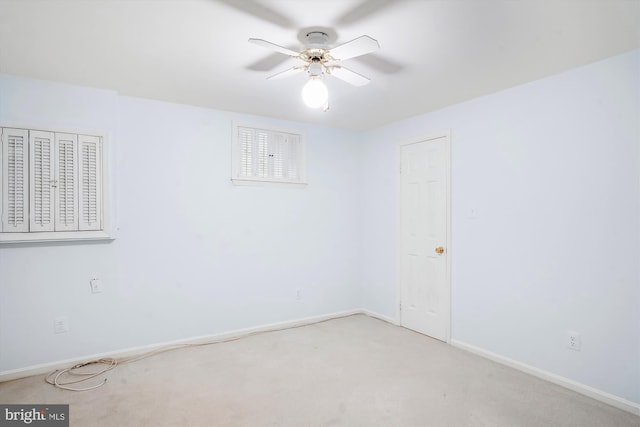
(61, 325)
(573, 340)
(96, 286)
(473, 213)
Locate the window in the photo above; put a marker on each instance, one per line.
(53, 186)
(261, 155)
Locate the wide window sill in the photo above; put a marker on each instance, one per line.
(54, 236)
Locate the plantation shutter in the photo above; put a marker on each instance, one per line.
(275, 156)
(245, 136)
(284, 157)
(90, 179)
(261, 152)
(253, 152)
(268, 155)
(15, 173)
(41, 181)
(66, 191)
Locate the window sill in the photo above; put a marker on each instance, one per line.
(265, 183)
(54, 236)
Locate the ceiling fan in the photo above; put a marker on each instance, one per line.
(318, 60)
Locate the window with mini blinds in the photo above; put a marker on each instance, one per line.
(261, 155)
(53, 185)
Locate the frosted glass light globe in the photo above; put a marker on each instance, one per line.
(315, 93)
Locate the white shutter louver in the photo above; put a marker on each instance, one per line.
(262, 143)
(66, 190)
(90, 176)
(245, 137)
(41, 181)
(15, 188)
(283, 157)
(275, 156)
(292, 158)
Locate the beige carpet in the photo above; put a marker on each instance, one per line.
(354, 371)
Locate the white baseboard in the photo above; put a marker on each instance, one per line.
(46, 368)
(380, 317)
(602, 396)
(594, 393)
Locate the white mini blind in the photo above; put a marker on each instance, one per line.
(268, 155)
(15, 187)
(41, 180)
(90, 189)
(66, 182)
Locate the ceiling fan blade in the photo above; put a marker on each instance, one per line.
(274, 46)
(348, 76)
(363, 10)
(286, 73)
(264, 13)
(379, 63)
(269, 62)
(356, 47)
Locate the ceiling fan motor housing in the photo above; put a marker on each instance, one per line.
(316, 52)
(317, 39)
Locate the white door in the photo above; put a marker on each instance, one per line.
(425, 296)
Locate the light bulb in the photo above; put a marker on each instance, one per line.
(314, 93)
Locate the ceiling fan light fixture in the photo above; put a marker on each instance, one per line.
(315, 93)
(320, 60)
(315, 68)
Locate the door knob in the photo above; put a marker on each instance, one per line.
(439, 250)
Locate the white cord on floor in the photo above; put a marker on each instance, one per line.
(112, 363)
(85, 376)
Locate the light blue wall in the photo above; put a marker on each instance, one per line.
(194, 255)
(551, 167)
(552, 170)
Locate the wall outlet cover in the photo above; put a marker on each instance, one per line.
(61, 325)
(96, 286)
(573, 340)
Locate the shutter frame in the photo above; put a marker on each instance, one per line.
(100, 228)
(90, 182)
(15, 180)
(267, 155)
(41, 181)
(66, 175)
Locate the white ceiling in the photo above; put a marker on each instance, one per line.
(433, 53)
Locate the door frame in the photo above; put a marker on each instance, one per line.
(399, 145)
